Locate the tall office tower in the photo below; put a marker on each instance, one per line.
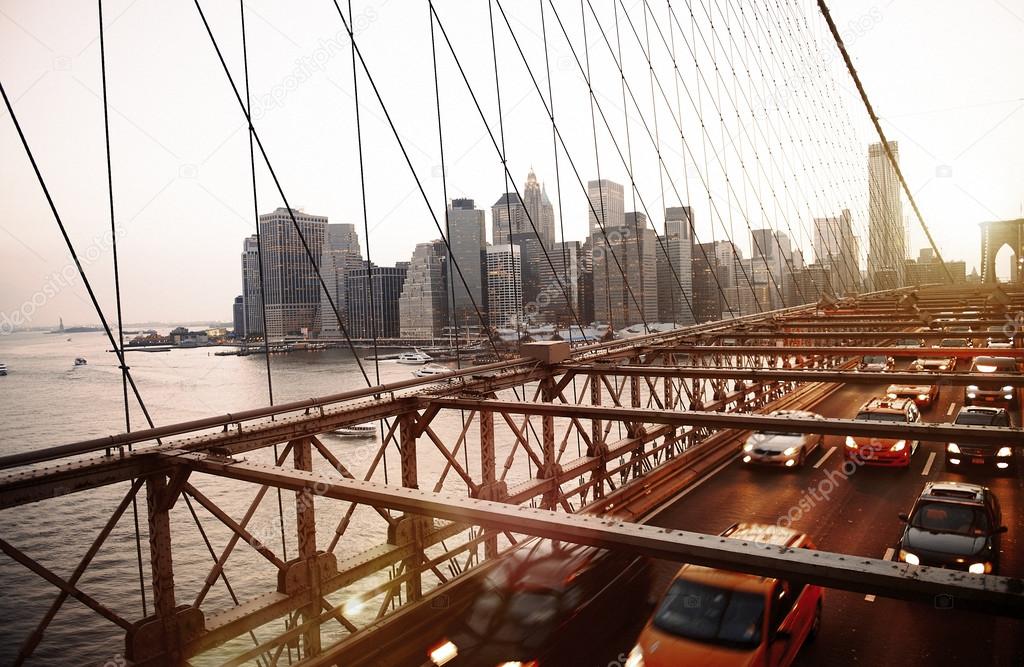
(341, 254)
(675, 267)
(423, 306)
(238, 316)
(587, 281)
(504, 285)
(291, 287)
(718, 272)
(535, 199)
(251, 294)
(508, 218)
(468, 239)
(887, 235)
(607, 201)
(626, 273)
(835, 248)
(550, 304)
(381, 318)
(771, 264)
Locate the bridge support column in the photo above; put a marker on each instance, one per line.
(490, 488)
(598, 447)
(551, 469)
(409, 527)
(305, 521)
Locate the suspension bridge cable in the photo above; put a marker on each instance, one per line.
(117, 294)
(259, 261)
(881, 135)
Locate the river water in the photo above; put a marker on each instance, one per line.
(45, 401)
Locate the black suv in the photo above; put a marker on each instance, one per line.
(993, 392)
(542, 602)
(990, 456)
(953, 525)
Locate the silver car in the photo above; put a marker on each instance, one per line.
(781, 447)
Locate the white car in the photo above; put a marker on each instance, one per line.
(780, 447)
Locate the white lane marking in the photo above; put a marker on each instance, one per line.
(822, 459)
(952, 407)
(928, 465)
(888, 556)
(685, 491)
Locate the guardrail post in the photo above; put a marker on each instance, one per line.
(305, 521)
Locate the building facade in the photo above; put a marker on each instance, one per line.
(423, 306)
(504, 285)
(251, 293)
(626, 274)
(375, 313)
(467, 236)
(341, 254)
(550, 305)
(836, 249)
(291, 287)
(675, 267)
(607, 204)
(538, 206)
(887, 233)
(238, 316)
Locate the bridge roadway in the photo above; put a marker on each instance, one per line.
(859, 517)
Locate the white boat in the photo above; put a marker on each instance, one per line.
(80, 361)
(414, 358)
(431, 370)
(357, 431)
(3, 369)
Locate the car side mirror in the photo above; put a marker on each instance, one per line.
(904, 517)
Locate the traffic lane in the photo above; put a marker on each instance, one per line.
(855, 514)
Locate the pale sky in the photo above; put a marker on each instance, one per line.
(944, 75)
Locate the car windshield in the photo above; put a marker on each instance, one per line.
(709, 614)
(510, 618)
(953, 342)
(938, 517)
(908, 342)
(976, 419)
(874, 359)
(881, 416)
(993, 364)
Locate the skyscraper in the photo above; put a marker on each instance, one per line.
(607, 201)
(625, 273)
(251, 294)
(504, 285)
(551, 305)
(675, 267)
(887, 236)
(468, 239)
(238, 316)
(423, 306)
(341, 254)
(835, 247)
(508, 217)
(383, 319)
(771, 265)
(291, 287)
(537, 204)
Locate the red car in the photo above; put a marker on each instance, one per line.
(891, 452)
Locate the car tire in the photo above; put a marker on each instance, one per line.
(815, 624)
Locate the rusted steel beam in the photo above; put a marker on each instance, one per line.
(162, 568)
(991, 594)
(810, 375)
(234, 526)
(847, 334)
(844, 351)
(919, 431)
(305, 526)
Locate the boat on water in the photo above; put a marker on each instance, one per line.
(357, 431)
(80, 361)
(415, 358)
(3, 369)
(430, 370)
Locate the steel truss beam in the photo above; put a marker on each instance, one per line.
(778, 375)
(991, 594)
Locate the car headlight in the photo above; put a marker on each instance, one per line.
(789, 451)
(899, 446)
(922, 397)
(1004, 451)
(635, 658)
(891, 395)
(980, 568)
(972, 387)
(1008, 389)
(850, 442)
(748, 447)
(943, 367)
(909, 558)
(952, 448)
(443, 653)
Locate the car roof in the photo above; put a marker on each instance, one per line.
(908, 388)
(803, 414)
(955, 491)
(737, 581)
(893, 405)
(545, 564)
